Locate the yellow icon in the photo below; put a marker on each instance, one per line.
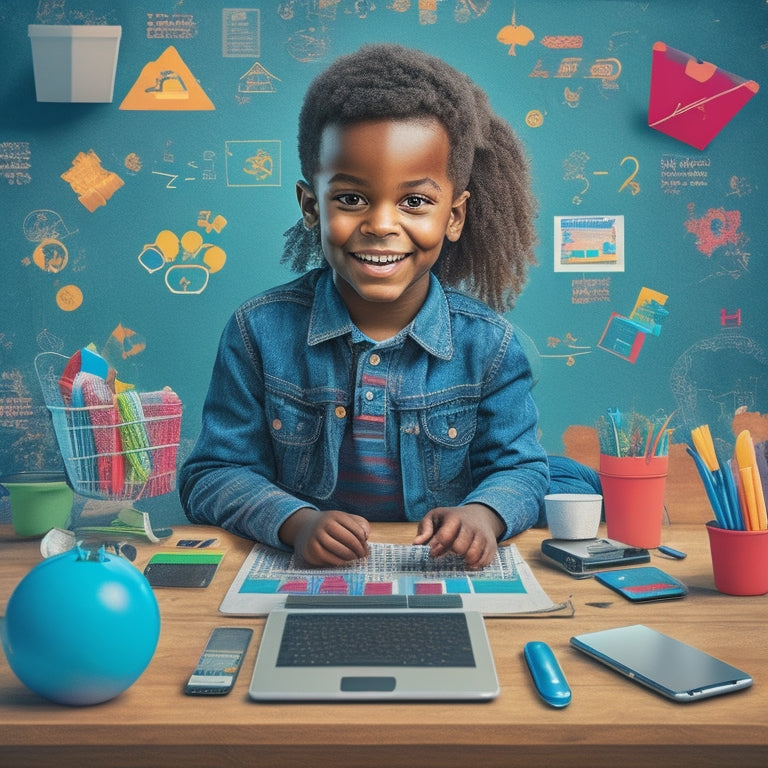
(514, 34)
(204, 221)
(167, 243)
(167, 84)
(572, 97)
(69, 298)
(214, 258)
(199, 259)
(259, 165)
(92, 184)
(50, 255)
(132, 162)
(534, 119)
(191, 242)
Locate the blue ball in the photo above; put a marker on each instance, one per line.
(79, 630)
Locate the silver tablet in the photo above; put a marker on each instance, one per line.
(374, 655)
(668, 666)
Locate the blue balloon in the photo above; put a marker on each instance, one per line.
(80, 630)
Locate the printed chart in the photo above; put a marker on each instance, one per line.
(391, 571)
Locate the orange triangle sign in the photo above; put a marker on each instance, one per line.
(167, 84)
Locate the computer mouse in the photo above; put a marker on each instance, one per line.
(547, 676)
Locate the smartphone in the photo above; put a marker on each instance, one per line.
(222, 657)
(183, 569)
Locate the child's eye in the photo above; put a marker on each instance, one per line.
(415, 201)
(350, 199)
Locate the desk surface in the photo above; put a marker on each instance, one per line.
(611, 721)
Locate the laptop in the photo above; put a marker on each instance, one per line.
(665, 665)
(382, 654)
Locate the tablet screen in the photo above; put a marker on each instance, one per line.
(668, 666)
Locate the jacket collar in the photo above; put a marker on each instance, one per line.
(431, 328)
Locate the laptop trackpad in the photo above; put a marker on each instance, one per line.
(367, 683)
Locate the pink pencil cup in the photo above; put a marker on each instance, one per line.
(739, 560)
(633, 498)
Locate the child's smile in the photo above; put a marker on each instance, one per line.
(385, 203)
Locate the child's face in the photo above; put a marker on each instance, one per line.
(385, 203)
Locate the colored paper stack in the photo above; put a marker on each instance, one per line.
(115, 445)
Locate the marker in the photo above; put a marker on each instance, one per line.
(676, 553)
(547, 675)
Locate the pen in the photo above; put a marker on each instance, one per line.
(706, 478)
(705, 446)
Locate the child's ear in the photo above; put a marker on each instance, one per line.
(458, 217)
(307, 203)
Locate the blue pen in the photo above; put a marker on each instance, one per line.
(709, 487)
(720, 475)
(614, 415)
(733, 498)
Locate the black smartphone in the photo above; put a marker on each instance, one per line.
(220, 661)
(180, 574)
(182, 568)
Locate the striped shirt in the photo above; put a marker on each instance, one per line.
(370, 482)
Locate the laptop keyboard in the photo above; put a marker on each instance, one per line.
(374, 601)
(407, 639)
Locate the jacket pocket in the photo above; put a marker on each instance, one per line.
(296, 431)
(447, 432)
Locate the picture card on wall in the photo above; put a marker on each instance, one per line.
(589, 243)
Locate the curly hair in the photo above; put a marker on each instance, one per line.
(491, 258)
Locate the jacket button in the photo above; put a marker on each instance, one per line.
(341, 411)
(277, 424)
(374, 359)
(453, 432)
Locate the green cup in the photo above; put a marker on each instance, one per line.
(39, 501)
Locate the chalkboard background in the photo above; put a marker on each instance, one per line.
(573, 78)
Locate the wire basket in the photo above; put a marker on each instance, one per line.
(119, 447)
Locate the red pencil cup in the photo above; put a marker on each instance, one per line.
(739, 560)
(633, 498)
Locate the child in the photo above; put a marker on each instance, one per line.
(370, 388)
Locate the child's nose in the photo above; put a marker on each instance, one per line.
(381, 220)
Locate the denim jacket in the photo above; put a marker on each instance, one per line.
(459, 413)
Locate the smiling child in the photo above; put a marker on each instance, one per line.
(383, 384)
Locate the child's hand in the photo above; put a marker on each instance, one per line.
(326, 538)
(470, 531)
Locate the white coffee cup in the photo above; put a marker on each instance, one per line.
(573, 515)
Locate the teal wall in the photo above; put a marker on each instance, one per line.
(576, 88)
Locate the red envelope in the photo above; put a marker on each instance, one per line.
(692, 100)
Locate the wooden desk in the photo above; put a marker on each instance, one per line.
(610, 721)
